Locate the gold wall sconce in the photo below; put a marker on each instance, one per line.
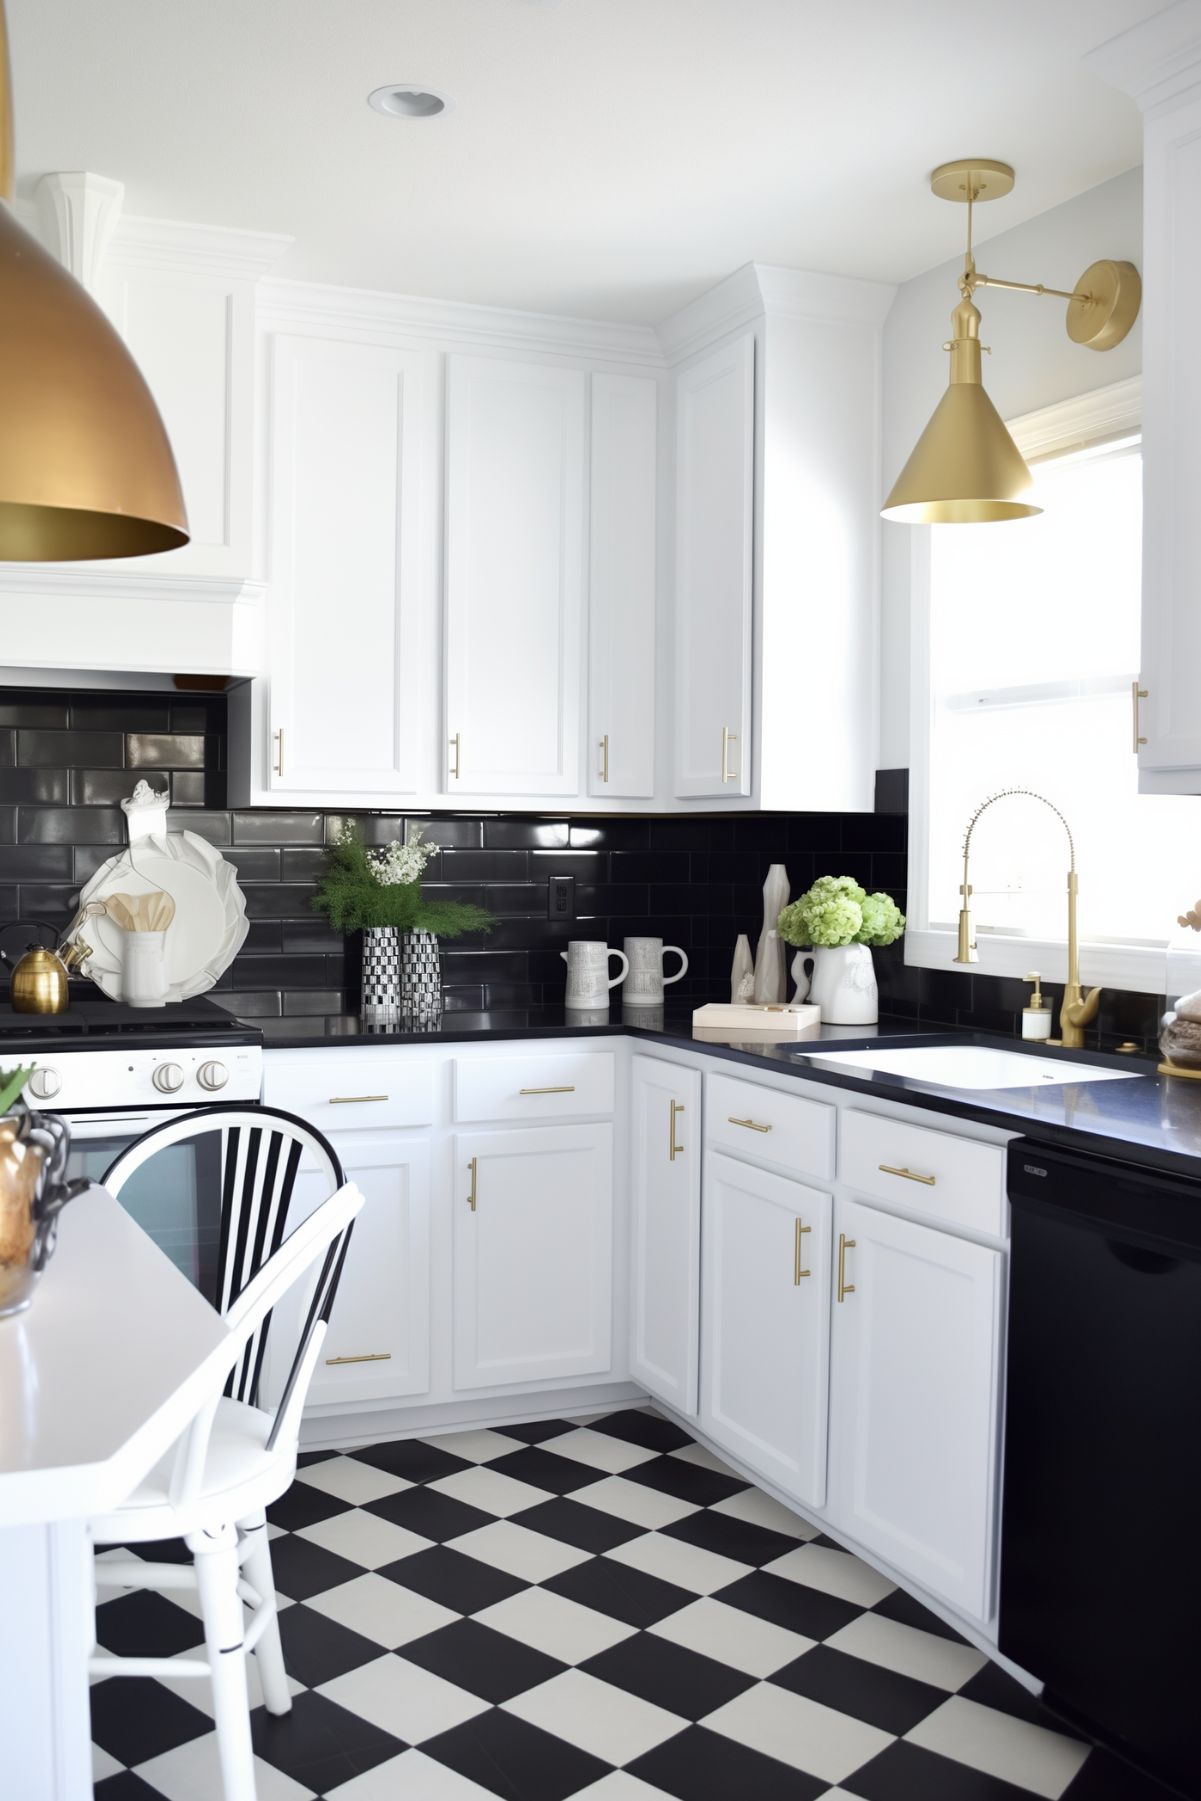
(965, 469)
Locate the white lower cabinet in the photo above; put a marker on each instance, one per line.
(665, 1223)
(533, 1254)
(766, 1310)
(915, 1386)
(378, 1343)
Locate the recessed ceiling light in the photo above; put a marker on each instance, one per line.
(408, 100)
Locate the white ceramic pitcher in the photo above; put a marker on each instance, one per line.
(646, 982)
(588, 978)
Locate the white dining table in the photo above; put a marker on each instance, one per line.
(97, 1379)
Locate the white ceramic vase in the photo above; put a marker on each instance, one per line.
(802, 976)
(844, 985)
(769, 958)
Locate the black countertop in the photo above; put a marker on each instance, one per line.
(1147, 1119)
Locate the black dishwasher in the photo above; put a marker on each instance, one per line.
(1101, 1527)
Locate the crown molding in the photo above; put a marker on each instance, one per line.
(320, 307)
(734, 302)
(69, 581)
(800, 294)
(1156, 61)
(197, 249)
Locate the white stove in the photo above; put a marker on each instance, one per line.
(113, 1072)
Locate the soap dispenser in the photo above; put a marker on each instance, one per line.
(1036, 1017)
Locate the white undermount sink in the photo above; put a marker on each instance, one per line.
(971, 1066)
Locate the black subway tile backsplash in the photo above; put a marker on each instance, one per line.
(66, 762)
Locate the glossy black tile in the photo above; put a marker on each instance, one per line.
(281, 972)
(526, 834)
(35, 713)
(71, 825)
(41, 787)
(278, 900)
(56, 750)
(189, 788)
(36, 862)
(270, 827)
(261, 864)
(97, 713)
(485, 865)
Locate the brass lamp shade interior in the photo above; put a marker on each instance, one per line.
(965, 468)
(86, 468)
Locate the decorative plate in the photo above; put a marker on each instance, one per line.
(210, 924)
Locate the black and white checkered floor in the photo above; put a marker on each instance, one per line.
(593, 1609)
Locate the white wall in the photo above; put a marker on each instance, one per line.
(1033, 364)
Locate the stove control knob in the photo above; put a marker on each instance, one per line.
(212, 1076)
(168, 1078)
(44, 1084)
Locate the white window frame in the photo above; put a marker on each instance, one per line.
(1103, 415)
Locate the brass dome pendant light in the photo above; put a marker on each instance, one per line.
(965, 469)
(85, 466)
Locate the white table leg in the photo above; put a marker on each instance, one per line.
(45, 1641)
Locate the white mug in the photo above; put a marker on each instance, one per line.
(647, 981)
(588, 979)
(144, 969)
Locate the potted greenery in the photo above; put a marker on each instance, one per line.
(379, 893)
(842, 921)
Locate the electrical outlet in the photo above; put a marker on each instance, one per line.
(562, 897)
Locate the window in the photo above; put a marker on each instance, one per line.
(1026, 645)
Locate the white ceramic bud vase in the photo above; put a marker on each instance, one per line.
(844, 985)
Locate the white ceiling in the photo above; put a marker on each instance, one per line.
(609, 158)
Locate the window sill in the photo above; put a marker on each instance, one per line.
(1140, 968)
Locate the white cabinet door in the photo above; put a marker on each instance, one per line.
(353, 441)
(533, 1254)
(514, 576)
(715, 532)
(378, 1344)
(1169, 717)
(622, 585)
(915, 1400)
(665, 1196)
(765, 1349)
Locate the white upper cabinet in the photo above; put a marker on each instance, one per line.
(352, 448)
(515, 471)
(715, 534)
(1159, 63)
(622, 585)
(777, 539)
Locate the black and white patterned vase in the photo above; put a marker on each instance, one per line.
(382, 966)
(421, 978)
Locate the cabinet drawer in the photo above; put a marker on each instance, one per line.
(547, 1085)
(935, 1173)
(344, 1092)
(769, 1126)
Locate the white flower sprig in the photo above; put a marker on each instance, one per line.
(402, 864)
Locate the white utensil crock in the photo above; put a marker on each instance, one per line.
(588, 978)
(646, 981)
(144, 969)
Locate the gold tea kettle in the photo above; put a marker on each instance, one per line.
(40, 977)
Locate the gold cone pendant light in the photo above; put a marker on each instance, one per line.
(965, 468)
(85, 466)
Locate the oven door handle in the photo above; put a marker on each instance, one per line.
(88, 1126)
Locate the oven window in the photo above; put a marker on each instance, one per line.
(176, 1197)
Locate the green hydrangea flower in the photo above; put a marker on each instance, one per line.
(836, 910)
(883, 921)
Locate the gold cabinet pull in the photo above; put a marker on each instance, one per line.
(727, 738)
(845, 1244)
(604, 750)
(473, 1197)
(674, 1150)
(354, 1100)
(561, 1088)
(1136, 694)
(752, 1125)
(457, 745)
(279, 751)
(799, 1274)
(910, 1175)
(363, 1357)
